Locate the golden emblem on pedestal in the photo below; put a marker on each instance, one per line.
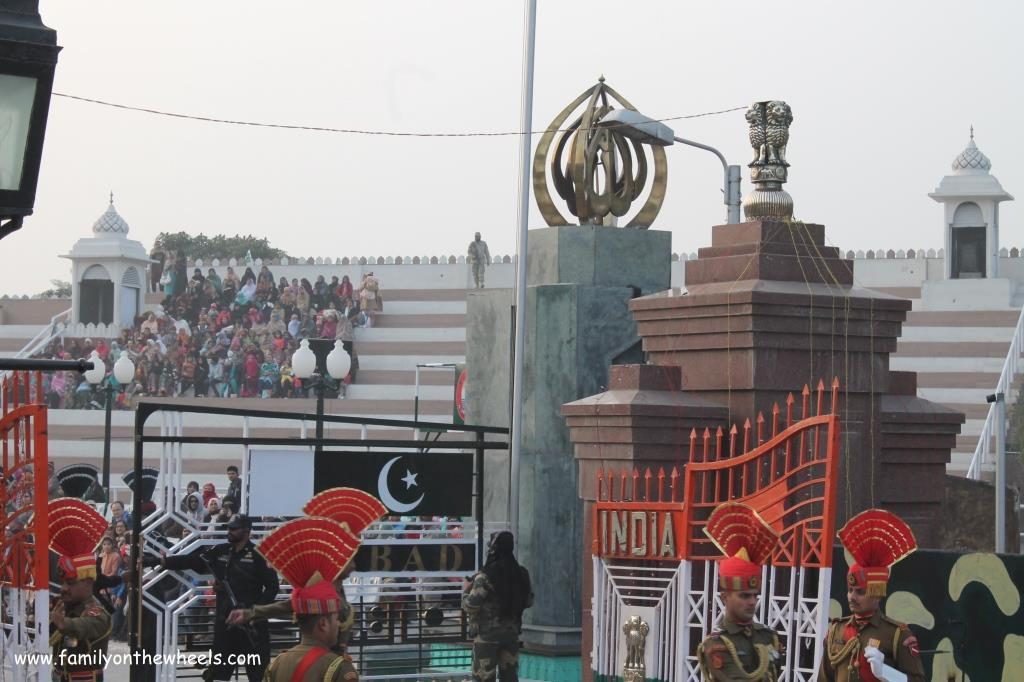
(596, 170)
(635, 630)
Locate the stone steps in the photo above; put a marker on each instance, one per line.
(958, 356)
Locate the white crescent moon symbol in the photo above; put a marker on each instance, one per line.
(385, 493)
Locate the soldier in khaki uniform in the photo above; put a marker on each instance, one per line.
(494, 602)
(79, 625)
(867, 646)
(312, 553)
(740, 648)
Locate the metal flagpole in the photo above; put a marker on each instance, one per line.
(525, 146)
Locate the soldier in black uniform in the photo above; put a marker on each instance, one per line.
(243, 579)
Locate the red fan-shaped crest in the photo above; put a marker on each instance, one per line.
(305, 547)
(734, 527)
(877, 538)
(353, 508)
(75, 527)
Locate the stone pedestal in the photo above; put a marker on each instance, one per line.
(768, 308)
(643, 421)
(578, 323)
(917, 436)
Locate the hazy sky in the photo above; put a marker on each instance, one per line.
(882, 94)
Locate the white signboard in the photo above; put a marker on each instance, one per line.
(280, 481)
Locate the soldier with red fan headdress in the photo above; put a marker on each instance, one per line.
(353, 509)
(740, 648)
(311, 553)
(80, 626)
(867, 646)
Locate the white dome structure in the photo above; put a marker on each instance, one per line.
(108, 276)
(971, 196)
(110, 222)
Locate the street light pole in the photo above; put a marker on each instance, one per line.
(731, 186)
(640, 128)
(1000, 400)
(321, 369)
(522, 241)
(109, 390)
(124, 372)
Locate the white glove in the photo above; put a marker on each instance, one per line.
(876, 659)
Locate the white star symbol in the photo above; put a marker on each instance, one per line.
(410, 479)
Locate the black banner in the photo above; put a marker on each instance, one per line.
(439, 484)
(406, 558)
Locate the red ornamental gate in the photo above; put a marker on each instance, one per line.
(652, 560)
(24, 570)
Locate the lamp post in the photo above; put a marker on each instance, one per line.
(124, 372)
(1000, 401)
(636, 126)
(28, 59)
(322, 370)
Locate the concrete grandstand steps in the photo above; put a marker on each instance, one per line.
(370, 361)
(436, 377)
(912, 293)
(962, 318)
(420, 348)
(958, 356)
(388, 320)
(422, 294)
(377, 335)
(952, 349)
(11, 346)
(417, 307)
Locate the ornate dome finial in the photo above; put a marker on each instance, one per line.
(971, 160)
(110, 222)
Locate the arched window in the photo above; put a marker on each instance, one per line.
(968, 214)
(96, 272)
(969, 248)
(96, 296)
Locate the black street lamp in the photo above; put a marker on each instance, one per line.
(323, 371)
(28, 59)
(124, 372)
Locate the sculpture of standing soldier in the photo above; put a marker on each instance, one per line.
(479, 257)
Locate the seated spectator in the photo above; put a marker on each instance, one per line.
(212, 509)
(117, 513)
(209, 492)
(195, 512)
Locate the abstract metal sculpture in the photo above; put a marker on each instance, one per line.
(597, 171)
(769, 135)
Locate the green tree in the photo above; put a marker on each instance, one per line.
(218, 246)
(59, 289)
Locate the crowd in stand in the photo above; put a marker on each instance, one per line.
(222, 337)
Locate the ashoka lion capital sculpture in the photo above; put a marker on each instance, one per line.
(769, 135)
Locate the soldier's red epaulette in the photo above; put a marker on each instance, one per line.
(94, 610)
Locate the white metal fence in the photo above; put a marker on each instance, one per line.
(983, 453)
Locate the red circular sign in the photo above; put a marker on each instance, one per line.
(460, 394)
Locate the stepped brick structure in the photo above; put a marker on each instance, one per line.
(767, 308)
